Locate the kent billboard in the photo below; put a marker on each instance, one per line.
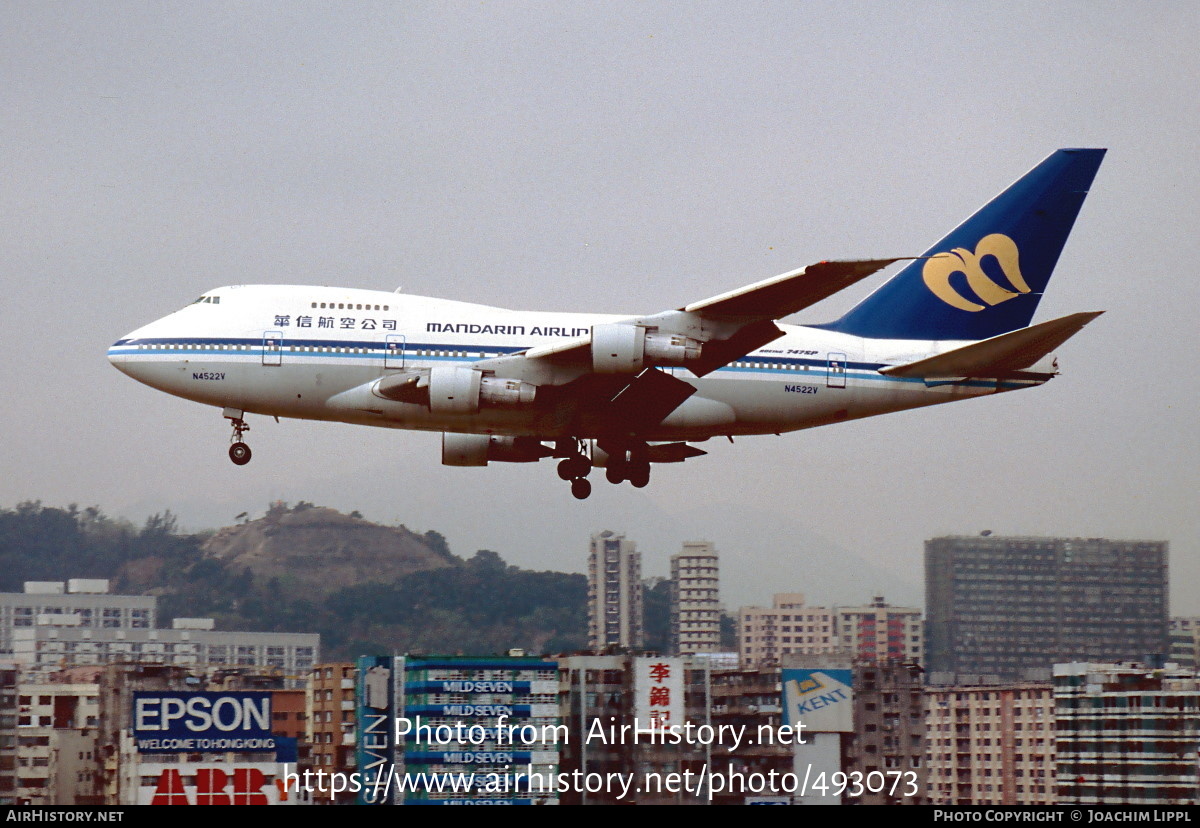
(821, 700)
(214, 722)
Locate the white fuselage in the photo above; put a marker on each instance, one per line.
(313, 353)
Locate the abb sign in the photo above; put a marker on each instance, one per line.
(229, 785)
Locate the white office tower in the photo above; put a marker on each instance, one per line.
(614, 593)
(695, 599)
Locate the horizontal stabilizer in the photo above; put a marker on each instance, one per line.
(999, 356)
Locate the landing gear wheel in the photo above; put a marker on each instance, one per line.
(574, 467)
(639, 475)
(615, 472)
(639, 455)
(239, 453)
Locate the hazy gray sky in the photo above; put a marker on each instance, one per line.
(623, 157)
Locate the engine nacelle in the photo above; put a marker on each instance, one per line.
(479, 449)
(454, 390)
(627, 349)
(671, 349)
(459, 390)
(506, 393)
(618, 349)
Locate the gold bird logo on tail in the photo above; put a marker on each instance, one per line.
(937, 272)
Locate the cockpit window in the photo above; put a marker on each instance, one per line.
(211, 300)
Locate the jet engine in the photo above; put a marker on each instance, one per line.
(454, 389)
(479, 449)
(626, 349)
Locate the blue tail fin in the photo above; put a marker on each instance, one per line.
(986, 277)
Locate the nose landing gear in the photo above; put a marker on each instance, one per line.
(239, 452)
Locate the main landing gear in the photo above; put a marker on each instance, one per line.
(630, 463)
(239, 452)
(574, 467)
(626, 461)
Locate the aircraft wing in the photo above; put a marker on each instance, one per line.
(613, 372)
(733, 324)
(787, 293)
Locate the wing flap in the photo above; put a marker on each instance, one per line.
(647, 400)
(1000, 355)
(721, 352)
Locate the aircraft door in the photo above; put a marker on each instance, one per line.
(835, 374)
(272, 353)
(393, 354)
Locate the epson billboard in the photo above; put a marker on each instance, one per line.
(202, 722)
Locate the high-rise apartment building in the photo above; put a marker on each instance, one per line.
(889, 732)
(57, 729)
(748, 701)
(787, 627)
(331, 708)
(615, 614)
(990, 745)
(879, 631)
(1185, 641)
(695, 600)
(1008, 608)
(1126, 734)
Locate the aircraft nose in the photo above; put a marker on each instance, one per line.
(118, 354)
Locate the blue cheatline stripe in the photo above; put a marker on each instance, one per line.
(376, 345)
(857, 371)
(257, 342)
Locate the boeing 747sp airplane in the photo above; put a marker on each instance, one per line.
(623, 392)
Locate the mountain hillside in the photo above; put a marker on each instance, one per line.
(322, 550)
(366, 588)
